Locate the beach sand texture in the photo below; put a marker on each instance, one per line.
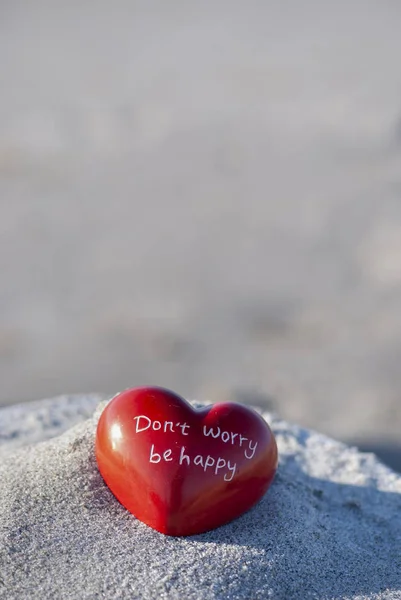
(328, 528)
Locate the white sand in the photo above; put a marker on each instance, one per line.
(330, 526)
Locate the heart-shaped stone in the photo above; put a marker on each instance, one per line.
(179, 469)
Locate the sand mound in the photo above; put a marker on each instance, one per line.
(329, 527)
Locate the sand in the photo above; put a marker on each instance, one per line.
(329, 527)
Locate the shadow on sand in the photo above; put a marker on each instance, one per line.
(343, 540)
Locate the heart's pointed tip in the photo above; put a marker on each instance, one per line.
(180, 532)
(164, 527)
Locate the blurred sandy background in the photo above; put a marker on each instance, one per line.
(205, 196)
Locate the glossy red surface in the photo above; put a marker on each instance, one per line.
(179, 470)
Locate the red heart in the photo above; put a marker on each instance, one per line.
(181, 470)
